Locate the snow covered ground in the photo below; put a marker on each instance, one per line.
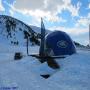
(24, 74)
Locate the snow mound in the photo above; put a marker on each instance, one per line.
(25, 74)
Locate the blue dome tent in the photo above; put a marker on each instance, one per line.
(59, 43)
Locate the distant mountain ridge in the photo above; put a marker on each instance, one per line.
(12, 31)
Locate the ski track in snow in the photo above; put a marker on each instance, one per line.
(24, 74)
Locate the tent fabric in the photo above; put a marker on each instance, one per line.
(59, 43)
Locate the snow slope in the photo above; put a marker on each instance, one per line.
(74, 73)
(12, 31)
(24, 74)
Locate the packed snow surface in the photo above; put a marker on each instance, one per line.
(24, 74)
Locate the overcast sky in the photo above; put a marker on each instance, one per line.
(71, 16)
